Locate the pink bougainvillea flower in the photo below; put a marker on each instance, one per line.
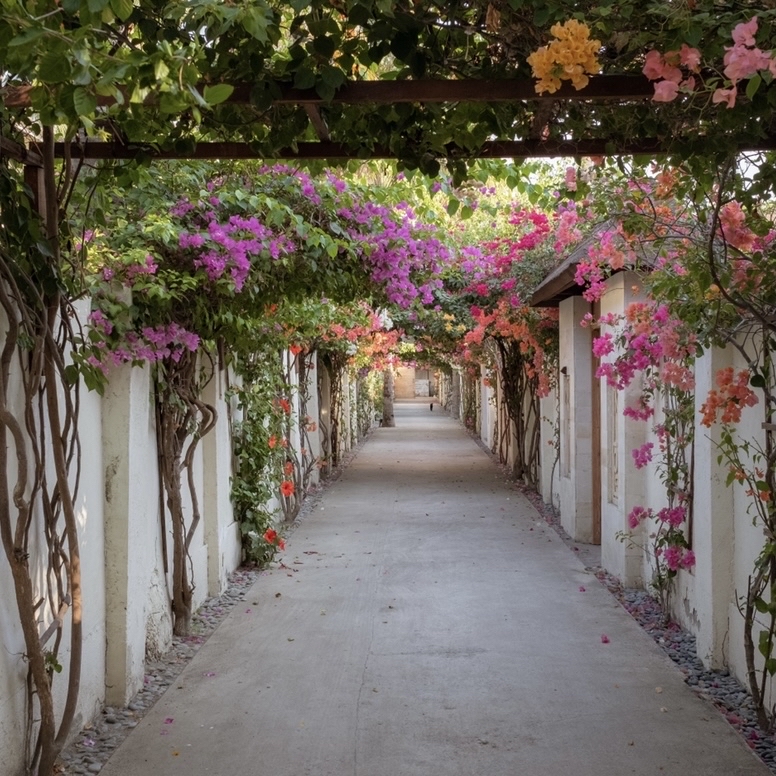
(653, 65)
(728, 96)
(581, 588)
(666, 91)
(642, 455)
(604, 638)
(743, 33)
(690, 57)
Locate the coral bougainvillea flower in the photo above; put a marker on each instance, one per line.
(287, 488)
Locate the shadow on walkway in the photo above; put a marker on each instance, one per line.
(425, 622)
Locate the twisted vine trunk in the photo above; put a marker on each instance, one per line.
(38, 439)
(388, 396)
(521, 399)
(182, 420)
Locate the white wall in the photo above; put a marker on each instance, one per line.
(126, 610)
(550, 466)
(622, 486)
(89, 515)
(575, 467)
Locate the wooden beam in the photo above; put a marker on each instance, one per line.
(608, 87)
(620, 88)
(19, 153)
(496, 149)
(331, 150)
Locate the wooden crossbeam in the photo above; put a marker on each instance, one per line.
(619, 88)
(331, 150)
(496, 149)
(19, 153)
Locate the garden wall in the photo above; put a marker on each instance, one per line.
(126, 554)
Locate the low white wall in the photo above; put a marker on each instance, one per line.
(126, 591)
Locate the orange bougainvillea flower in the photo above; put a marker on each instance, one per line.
(287, 488)
(285, 406)
(295, 349)
(271, 537)
(272, 442)
(288, 468)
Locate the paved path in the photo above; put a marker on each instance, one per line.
(429, 624)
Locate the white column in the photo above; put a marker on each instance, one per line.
(222, 533)
(576, 420)
(137, 600)
(713, 527)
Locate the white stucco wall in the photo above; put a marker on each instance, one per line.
(89, 515)
(550, 469)
(623, 559)
(487, 412)
(576, 420)
(221, 532)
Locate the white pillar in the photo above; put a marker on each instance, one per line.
(622, 485)
(222, 533)
(713, 527)
(137, 599)
(576, 421)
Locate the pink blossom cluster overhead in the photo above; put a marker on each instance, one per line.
(399, 249)
(675, 71)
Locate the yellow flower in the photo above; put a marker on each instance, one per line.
(570, 57)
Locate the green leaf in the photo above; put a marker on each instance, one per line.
(304, 78)
(757, 381)
(324, 46)
(761, 605)
(84, 102)
(122, 8)
(693, 35)
(54, 68)
(403, 44)
(214, 95)
(255, 23)
(753, 86)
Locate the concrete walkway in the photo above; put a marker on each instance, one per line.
(429, 624)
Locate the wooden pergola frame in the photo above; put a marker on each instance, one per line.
(602, 88)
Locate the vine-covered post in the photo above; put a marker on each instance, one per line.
(388, 397)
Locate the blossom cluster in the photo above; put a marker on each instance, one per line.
(730, 397)
(742, 60)
(650, 340)
(571, 57)
(151, 343)
(671, 548)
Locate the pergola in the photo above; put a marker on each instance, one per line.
(608, 90)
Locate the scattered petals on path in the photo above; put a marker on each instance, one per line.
(604, 638)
